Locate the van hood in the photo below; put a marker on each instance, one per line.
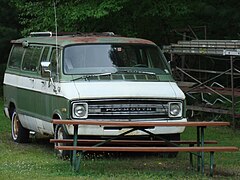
(100, 90)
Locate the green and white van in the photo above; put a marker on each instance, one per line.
(89, 77)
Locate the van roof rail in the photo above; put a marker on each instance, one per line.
(93, 34)
(40, 34)
(50, 34)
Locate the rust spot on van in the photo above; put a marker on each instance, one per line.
(88, 39)
(101, 39)
(79, 39)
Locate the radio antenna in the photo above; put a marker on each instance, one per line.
(56, 35)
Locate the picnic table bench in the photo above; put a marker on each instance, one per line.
(94, 145)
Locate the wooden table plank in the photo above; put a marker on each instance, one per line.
(151, 149)
(139, 123)
(92, 141)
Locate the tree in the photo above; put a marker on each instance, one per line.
(128, 17)
(39, 15)
(221, 18)
(8, 28)
(151, 19)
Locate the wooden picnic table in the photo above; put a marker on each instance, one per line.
(143, 125)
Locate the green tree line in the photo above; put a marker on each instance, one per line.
(162, 21)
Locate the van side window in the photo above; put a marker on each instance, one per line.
(45, 54)
(16, 57)
(31, 58)
(53, 61)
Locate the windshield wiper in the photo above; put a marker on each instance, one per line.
(91, 75)
(135, 71)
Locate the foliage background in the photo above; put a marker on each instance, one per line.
(162, 21)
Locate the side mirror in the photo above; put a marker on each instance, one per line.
(45, 71)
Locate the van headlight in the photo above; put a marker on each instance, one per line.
(79, 110)
(175, 109)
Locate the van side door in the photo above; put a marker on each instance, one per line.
(27, 92)
(47, 86)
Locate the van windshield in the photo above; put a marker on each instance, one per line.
(112, 58)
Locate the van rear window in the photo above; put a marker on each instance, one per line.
(16, 57)
(31, 58)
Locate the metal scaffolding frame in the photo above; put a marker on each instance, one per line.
(227, 48)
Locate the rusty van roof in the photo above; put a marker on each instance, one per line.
(65, 40)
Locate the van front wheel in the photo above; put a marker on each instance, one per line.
(61, 134)
(19, 133)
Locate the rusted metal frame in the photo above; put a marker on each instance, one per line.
(235, 69)
(208, 109)
(210, 72)
(202, 83)
(232, 86)
(194, 34)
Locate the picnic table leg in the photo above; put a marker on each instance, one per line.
(75, 159)
(202, 144)
(191, 156)
(211, 163)
(198, 144)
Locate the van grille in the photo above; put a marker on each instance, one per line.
(127, 109)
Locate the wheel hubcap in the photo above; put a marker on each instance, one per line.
(15, 126)
(60, 136)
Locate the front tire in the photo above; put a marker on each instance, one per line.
(19, 133)
(61, 134)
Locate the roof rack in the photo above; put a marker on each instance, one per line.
(40, 34)
(50, 34)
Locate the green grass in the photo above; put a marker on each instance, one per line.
(37, 160)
